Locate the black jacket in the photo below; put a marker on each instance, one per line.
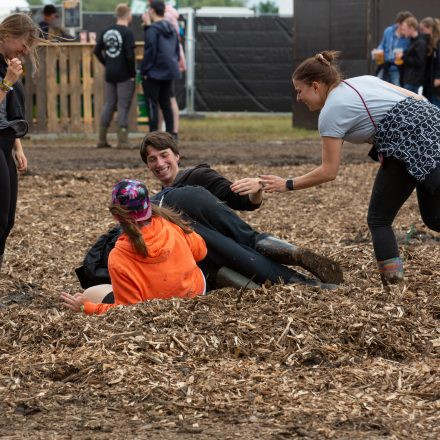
(432, 72)
(161, 52)
(414, 61)
(115, 49)
(203, 175)
(12, 107)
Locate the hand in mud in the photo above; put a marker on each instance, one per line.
(273, 183)
(248, 185)
(73, 302)
(14, 71)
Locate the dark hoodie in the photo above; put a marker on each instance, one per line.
(161, 52)
(415, 61)
(12, 107)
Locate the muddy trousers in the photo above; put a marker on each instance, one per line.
(392, 187)
(230, 240)
(118, 96)
(8, 185)
(158, 93)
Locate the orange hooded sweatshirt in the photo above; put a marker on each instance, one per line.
(169, 270)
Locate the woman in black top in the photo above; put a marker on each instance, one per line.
(19, 36)
(431, 85)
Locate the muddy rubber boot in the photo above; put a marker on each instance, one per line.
(229, 278)
(326, 269)
(391, 271)
(102, 140)
(123, 138)
(299, 278)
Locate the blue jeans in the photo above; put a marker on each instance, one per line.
(392, 76)
(411, 87)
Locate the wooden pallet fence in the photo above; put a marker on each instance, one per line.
(66, 94)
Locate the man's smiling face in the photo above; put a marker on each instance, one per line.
(164, 164)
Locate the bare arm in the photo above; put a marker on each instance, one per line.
(326, 172)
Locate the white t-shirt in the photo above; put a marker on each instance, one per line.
(344, 115)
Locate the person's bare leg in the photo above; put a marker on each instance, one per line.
(96, 294)
(175, 109)
(160, 121)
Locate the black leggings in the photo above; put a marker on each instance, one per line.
(158, 92)
(230, 240)
(392, 187)
(8, 185)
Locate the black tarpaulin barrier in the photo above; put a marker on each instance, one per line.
(243, 64)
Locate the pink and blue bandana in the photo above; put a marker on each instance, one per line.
(132, 194)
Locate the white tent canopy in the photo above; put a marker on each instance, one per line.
(10, 6)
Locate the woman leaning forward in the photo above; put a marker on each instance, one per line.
(405, 132)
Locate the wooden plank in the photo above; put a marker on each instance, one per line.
(64, 90)
(51, 90)
(75, 89)
(29, 94)
(40, 91)
(98, 90)
(87, 88)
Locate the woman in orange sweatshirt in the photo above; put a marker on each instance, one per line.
(155, 257)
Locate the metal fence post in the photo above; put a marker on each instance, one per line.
(190, 49)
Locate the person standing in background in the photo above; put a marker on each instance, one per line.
(392, 39)
(50, 16)
(160, 65)
(115, 50)
(431, 85)
(414, 60)
(172, 16)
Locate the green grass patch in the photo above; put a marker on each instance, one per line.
(242, 128)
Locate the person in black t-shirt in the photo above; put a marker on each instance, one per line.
(115, 49)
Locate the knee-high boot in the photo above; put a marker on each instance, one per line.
(326, 269)
(391, 271)
(229, 278)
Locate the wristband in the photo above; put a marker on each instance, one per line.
(7, 83)
(290, 184)
(4, 86)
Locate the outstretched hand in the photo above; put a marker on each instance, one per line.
(273, 183)
(73, 302)
(248, 185)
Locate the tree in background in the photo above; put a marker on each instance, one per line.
(109, 5)
(268, 7)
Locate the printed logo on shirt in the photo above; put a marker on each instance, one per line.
(113, 43)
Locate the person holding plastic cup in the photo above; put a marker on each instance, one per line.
(384, 54)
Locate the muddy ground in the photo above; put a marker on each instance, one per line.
(278, 362)
(53, 155)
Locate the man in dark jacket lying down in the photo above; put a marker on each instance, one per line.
(206, 198)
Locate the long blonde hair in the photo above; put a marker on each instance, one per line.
(20, 25)
(433, 24)
(133, 229)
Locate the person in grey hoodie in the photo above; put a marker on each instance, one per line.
(160, 65)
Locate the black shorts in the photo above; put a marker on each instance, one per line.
(173, 89)
(109, 298)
